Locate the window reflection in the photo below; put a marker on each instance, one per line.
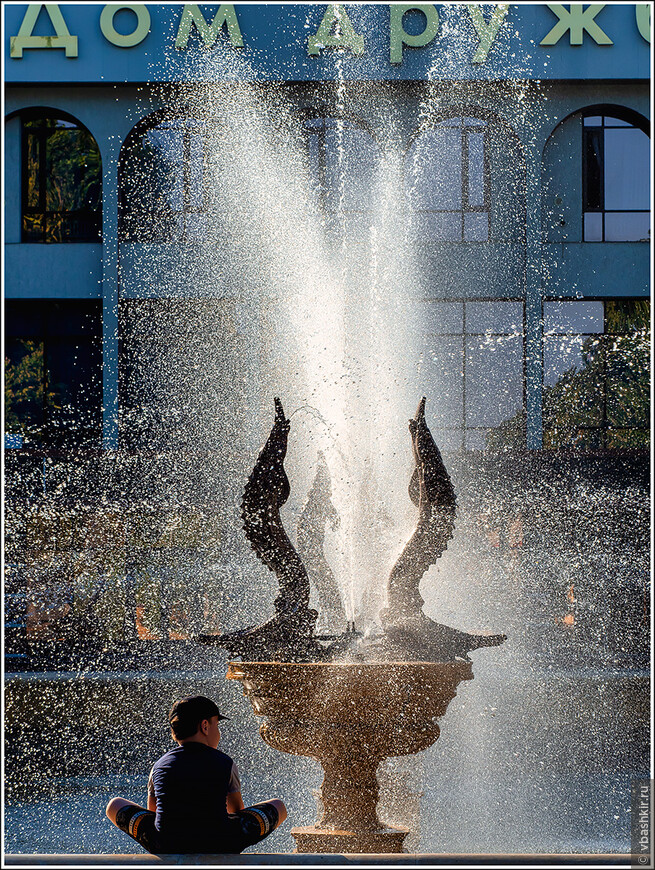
(494, 379)
(475, 141)
(446, 181)
(62, 182)
(616, 181)
(574, 317)
(26, 391)
(161, 186)
(472, 359)
(596, 374)
(342, 162)
(53, 372)
(499, 318)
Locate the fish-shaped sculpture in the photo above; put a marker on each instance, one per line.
(317, 513)
(431, 490)
(409, 635)
(288, 635)
(265, 492)
(408, 631)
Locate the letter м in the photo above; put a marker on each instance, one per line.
(191, 15)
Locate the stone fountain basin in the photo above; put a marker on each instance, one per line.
(392, 705)
(350, 717)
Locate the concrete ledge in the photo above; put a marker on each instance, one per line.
(77, 267)
(308, 860)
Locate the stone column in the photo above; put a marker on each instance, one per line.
(533, 298)
(110, 153)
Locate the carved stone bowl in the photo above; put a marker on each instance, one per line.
(350, 717)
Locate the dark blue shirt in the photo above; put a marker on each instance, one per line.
(190, 784)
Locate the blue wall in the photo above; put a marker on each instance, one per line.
(545, 134)
(275, 46)
(540, 255)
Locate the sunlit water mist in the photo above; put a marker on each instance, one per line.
(329, 295)
(260, 179)
(389, 306)
(319, 264)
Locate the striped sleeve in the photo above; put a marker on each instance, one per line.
(151, 786)
(235, 783)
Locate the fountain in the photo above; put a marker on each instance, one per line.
(319, 278)
(350, 702)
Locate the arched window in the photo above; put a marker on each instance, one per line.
(447, 180)
(161, 182)
(61, 180)
(343, 161)
(615, 180)
(465, 180)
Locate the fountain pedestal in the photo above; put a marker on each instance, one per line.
(350, 717)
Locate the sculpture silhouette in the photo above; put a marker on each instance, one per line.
(316, 515)
(288, 636)
(409, 633)
(432, 492)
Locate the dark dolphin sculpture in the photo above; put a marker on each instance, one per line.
(432, 492)
(289, 634)
(409, 633)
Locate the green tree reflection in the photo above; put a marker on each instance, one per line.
(605, 402)
(63, 182)
(28, 394)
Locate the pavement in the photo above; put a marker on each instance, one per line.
(292, 859)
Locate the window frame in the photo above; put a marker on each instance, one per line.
(55, 436)
(466, 208)
(42, 134)
(188, 126)
(325, 114)
(463, 427)
(632, 122)
(603, 427)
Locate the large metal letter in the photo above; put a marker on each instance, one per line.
(335, 31)
(486, 31)
(642, 14)
(126, 40)
(191, 15)
(576, 20)
(400, 37)
(24, 39)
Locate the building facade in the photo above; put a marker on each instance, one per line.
(525, 142)
(478, 177)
